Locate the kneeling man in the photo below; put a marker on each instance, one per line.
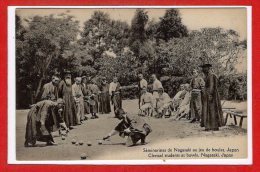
(134, 127)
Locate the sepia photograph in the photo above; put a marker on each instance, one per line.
(155, 85)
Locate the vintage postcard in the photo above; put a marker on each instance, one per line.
(129, 85)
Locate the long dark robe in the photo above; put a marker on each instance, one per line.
(65, 92)
(117, 98)
(104, 100)
(47, 112)
(94, 90)
(212, 115)
(86, 92)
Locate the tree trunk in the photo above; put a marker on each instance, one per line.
(39, 88)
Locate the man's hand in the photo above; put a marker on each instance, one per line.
(127, 130)
(63, 125)
(106, 137)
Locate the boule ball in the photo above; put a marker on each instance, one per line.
(80, 142)
(89, 144)
(73, 141)
(77, 143)
(62, 137)
(100, 142)
(83, 156)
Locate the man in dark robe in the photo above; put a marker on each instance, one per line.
(132, 126)
(43, 118)
(86, 93)
(65, 92)
(212, 115)
(50, 90)
(115, 93)
(93, 99)
(104, 98)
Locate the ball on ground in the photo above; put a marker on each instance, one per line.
(62, 137)
(83, 156)
(80, 142)
(100, 142)
(76, 143)
(89, 144)
(73, 141)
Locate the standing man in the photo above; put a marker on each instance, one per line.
(93, 99)
(65, 92)
(146, 100)
(79, 99)
(156, 85)
(197, 84)
(115, 93)
(86, 93)
(50, 90)
(142, 84)
(104, 98)
(212, 115)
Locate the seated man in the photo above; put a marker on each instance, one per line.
(132, 126)
(146, 101)
(43, 118)
(162, 102)
(184, 108)
(177, 99)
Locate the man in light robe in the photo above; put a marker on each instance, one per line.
(50, 90)
(156, 85)
(142, 84)
(44, 118)
(163, 102)
(146, 100)
(184, 108)
(115, 93)
(78, 98)
(197, 84)
(177, 99)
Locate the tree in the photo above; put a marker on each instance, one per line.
(170, 26)
(46, 40)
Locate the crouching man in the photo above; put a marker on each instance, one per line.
(43, 118)
(133, 127)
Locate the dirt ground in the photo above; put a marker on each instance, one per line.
(166, 134)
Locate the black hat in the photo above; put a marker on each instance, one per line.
(206, 65)
(67, 72)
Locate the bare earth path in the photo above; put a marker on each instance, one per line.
(166, 134)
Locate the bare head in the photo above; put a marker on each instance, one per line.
(55, 80)
(195, 72)
(187, 87)
(182, 86)
(78, 80)
(140, 76)
(154, 77)
(115, 79)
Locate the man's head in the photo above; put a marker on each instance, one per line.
(154, 77)
(187, 87)
(120, 113)
(55, 80)
(78, 80)
(206, 68)
(115, 79)
(195, 72)
(160, 91)
(182, 87)
(60, 103)
(140, 76)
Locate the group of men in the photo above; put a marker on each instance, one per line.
(65, 105)
(198, 100)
